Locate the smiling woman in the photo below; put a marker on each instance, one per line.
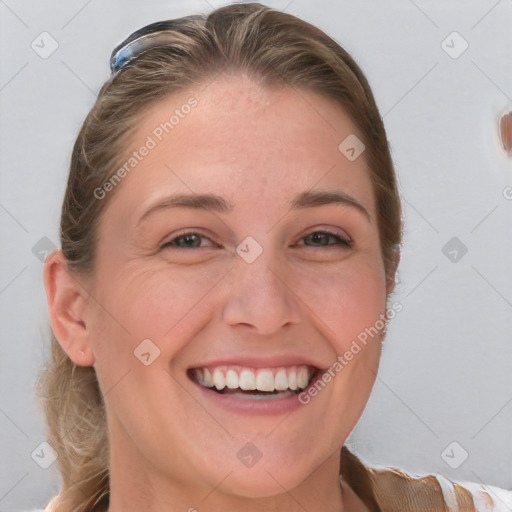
(219, 306)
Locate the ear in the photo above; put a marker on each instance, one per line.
(391, 275)
(67, 301)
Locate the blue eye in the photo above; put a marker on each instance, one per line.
(319, 236)
(192, 240)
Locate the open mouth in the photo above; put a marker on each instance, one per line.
(256, 383)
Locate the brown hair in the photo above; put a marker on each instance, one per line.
(268, 45)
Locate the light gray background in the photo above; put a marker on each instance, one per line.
(445, 373)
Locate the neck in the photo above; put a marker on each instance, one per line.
(135, 486)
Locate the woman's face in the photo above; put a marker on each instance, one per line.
(256, 292)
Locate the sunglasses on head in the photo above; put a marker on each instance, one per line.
(142, 40)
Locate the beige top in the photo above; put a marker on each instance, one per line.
(391, 490)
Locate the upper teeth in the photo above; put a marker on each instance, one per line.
(262, 379)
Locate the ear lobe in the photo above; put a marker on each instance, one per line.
(67, 301)
(391, 282)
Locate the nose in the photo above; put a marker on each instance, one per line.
(260, 295)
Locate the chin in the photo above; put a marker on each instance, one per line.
(261, 483)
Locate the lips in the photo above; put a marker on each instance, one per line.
(248, 380)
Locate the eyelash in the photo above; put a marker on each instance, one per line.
(340, 241)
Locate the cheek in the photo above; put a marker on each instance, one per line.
(157, 303)
(164, 302)
(346, 300)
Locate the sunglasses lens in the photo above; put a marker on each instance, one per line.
(141, 40)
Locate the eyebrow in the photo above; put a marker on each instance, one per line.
(215, 203)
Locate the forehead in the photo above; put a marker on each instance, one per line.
(248, 142)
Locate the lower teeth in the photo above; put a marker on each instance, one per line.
(255, 395)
